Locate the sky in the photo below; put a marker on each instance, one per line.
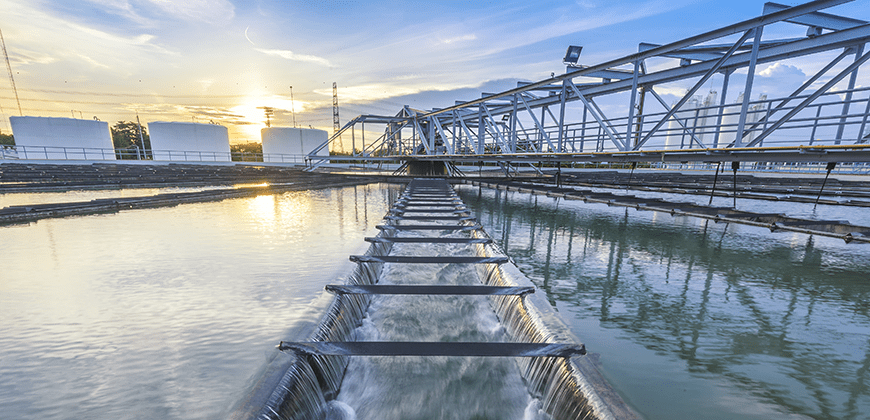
(221, 61)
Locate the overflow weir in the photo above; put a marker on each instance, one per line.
(774, 221)
(372, 329)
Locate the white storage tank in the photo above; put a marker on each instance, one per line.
(62, 138)
(732, 119)
(677, 136)
(278, 142)
(183, 141)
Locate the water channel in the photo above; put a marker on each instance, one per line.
(169, 312)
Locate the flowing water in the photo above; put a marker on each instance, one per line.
(433, 387)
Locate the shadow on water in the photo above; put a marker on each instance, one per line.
(780, 320)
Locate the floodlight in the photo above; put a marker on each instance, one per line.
(572, 55)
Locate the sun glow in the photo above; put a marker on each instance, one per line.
(254, 117)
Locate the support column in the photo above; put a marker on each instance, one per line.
(747, 92)
(858, 51)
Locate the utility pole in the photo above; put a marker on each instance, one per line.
(141, 137)
(292, 107)
(9, 68)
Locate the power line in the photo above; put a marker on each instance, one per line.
(9, 68)
(65, 101)
(140, 95)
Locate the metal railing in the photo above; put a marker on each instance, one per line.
(102, 154)
(848, 168)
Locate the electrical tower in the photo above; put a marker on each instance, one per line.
(336, 124)
(270, 112)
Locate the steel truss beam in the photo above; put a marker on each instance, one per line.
(493, 128)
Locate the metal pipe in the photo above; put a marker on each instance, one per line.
(830, 167)
(734, 167)
(715, 179)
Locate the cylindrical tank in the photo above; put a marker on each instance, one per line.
(280, 141)
(62, 138)
(677, 138)
(183, 141)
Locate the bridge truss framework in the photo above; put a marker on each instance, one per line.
(582, 115)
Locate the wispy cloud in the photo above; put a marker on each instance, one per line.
(505, 36)
(460, 38)
(372, 92)
(92, 62)
(290, 55)
(125, 10)
(210, 11)
(20, 57)
(46, 39)
(154, 13)
(287, 54)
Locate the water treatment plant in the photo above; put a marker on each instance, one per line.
(570, 248)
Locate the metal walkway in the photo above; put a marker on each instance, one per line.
(426, 195)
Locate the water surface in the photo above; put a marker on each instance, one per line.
(694, 319)
(166, 313)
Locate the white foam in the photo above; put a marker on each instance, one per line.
(534, 411)
(337, 410)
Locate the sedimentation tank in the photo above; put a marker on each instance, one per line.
(471, 303)
(61, 138)
(181, 141)
(291, 141)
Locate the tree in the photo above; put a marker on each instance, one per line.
(7, 139)
(125, 136)
(247, 152)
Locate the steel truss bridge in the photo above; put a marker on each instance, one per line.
(615, 112)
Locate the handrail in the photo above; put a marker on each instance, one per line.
(28, 152)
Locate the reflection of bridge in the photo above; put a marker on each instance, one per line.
(614, 111)
(704, 297)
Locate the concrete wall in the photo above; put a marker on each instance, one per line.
(291, 141)
(61, 138)
(180, 141)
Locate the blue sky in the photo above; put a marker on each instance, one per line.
(218, 60)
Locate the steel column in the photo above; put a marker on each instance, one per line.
(747, 91)
(858, 51)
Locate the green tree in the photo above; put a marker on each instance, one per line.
(247, 152)
(125, 136)
(7, 139)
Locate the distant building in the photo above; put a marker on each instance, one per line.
(182, 141)
(279, 141)
(693, 116)
(62, 138)
(700, 118)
